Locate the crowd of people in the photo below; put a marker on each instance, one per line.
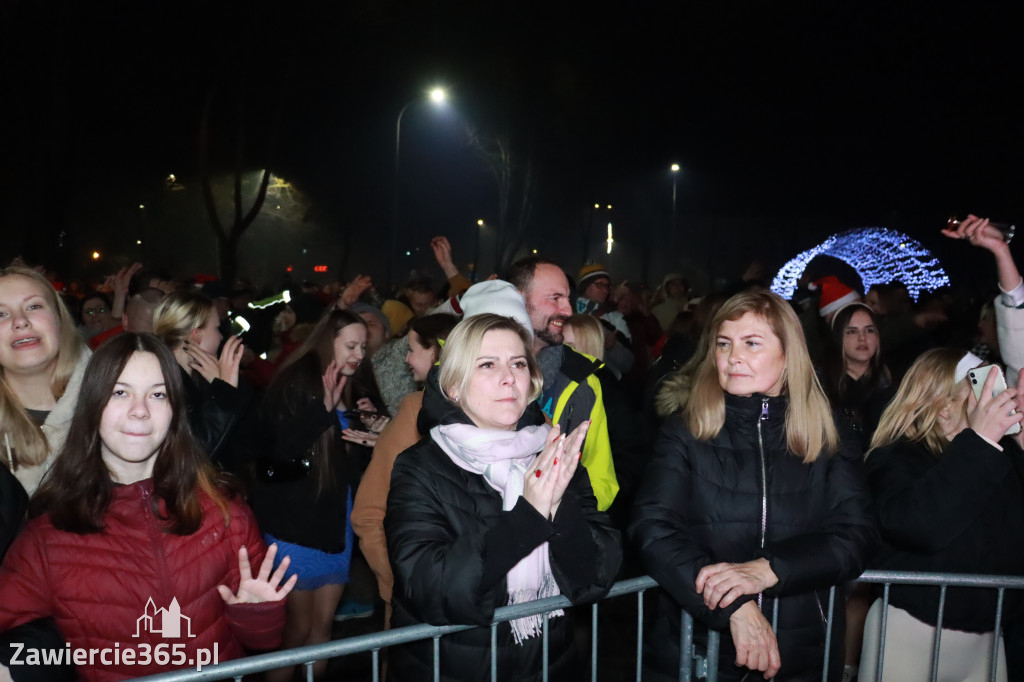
(207, 451)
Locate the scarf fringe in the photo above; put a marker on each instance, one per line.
(529, 627)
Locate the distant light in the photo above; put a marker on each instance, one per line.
(319, 268)
(535, 250)
(408, 253)
(438, 95)
(95, 255)
(263, 356)
(279, 207)
(480, 222)
(142, 207)
(609, 240)
(138, 242)
(171, 178)
(675, 167)
(597, 206)
(609, 207)
(288, 269)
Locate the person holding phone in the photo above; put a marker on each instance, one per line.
(303, 487)
(949, 498)
(189, 324)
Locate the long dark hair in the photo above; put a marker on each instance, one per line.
(300, 379)
(835, 378)
(77, 491)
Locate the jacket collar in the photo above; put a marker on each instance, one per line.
(747, 410)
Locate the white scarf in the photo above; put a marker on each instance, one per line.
(503, 458)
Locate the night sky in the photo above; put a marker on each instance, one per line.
(789, 122)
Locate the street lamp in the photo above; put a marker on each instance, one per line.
(437, 96)
(675, 183)
(476, 253)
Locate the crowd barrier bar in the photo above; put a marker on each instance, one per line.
(691, 665)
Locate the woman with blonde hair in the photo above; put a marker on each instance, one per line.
(42, 360)
(949, 498)
(748, 503)
(491, 509)
(585, 334)
(189, 324)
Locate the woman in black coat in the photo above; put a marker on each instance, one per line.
(477, 519)
(949, 496)
(749, 500)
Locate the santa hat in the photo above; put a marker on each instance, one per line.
(834, 295)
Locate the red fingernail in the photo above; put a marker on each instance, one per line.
(556, 460)
(537, 472)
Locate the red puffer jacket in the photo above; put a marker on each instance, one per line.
(97, 586)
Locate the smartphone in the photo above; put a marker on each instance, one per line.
(979, 375)
(239, 325)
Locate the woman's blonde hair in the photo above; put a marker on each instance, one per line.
(458, 359)
(25, 438)
(810, 429)
(178, 314)
(928, 387)
(588, 334)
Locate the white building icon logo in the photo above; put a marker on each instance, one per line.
(165, 622)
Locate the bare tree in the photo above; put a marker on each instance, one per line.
(516, 184)
(229, 233)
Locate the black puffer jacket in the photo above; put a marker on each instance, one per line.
(448, 538)
(701, 503)
(961, 512)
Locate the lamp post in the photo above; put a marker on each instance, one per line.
(438, 97)
(675, 183)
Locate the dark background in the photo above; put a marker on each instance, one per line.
(790, 123)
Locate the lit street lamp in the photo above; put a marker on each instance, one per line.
(437, 97)
(476, 253)
(675, 183)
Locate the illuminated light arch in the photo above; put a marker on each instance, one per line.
(878, 254)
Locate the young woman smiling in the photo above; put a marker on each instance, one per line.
(42, 360)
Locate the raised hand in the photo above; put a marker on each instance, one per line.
(990, 416)
(264, 587)
(756, 646)
(555, 465)
(721, 584)
(334, 382)
(367, 438)
(979, 232)
(354, 290)
(230, 359)
(443, 255)
(202, 362)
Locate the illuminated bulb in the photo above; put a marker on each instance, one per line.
(95, 255)
(535, 251)
(142, 207)
(480, 222)
(438, 95)
(675, 167)
(596, 206)
(138, 241)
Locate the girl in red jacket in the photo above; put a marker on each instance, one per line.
(137, 549)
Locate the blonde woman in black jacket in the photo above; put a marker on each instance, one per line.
(492, 508)
(748, 501)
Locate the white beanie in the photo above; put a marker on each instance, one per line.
(498, 297)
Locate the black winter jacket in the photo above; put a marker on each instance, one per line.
(701, 504)
(451, 546)
(961, 512)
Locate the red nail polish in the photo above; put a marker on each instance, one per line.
(537, 472)
(556, 460)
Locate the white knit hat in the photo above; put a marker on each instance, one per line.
(498, 297)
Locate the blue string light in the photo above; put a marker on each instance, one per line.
(878, 254)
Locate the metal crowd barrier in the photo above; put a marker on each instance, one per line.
(692, 665)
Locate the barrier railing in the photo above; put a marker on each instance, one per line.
(692, 664)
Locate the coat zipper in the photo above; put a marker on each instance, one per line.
(764, 483)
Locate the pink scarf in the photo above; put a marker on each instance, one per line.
(503, 458)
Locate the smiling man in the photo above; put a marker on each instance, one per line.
(576, 386)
